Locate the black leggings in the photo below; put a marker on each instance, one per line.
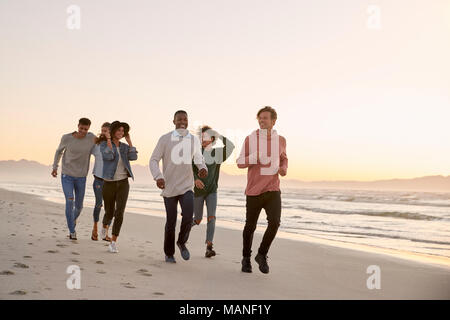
(270, 201)
(115, 195)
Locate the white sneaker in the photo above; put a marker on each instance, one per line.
(113, 247)
(103, 233)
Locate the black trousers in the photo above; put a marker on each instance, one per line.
(186, 201)
(115, 196)
(270, 201)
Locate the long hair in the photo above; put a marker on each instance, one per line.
(101, 137)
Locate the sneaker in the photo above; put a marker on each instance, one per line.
(209, 252)
(246, 265)
(103, 233)
(262, 261)
(113, 247)
(73, 236)
(170, 259)
(184, 251)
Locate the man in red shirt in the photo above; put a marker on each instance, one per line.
(264, 154)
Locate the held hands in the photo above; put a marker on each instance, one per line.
(199, 184)
(160, 183)
(54, 173)
(203, 173)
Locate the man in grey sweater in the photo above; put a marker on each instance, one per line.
(75, 150)
(177, 149)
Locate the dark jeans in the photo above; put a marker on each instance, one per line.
(98, 192)
(115, 195)
(186, 201)
(270, 201)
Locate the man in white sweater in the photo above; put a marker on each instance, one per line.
(177, 149)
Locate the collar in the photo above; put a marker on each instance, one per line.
(175, 133)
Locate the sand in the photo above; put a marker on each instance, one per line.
(35, 254)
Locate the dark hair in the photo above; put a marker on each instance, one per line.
(273, 113)
(206, 128)
(84, 122)
(101, 137)
(116, 125)
(179, 112)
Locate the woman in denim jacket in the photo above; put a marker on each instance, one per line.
(116, 170)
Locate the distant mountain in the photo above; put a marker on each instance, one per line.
(32, 171)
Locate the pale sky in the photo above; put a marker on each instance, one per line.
(353, 102)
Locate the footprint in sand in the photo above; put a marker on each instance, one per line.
(27, 257)
(101, 271)
(6, 273)
(21, 265)
(99, 262)
(19, 292)
(141, 255)
(13, 234)
(144, 272)
(158, 293)
(30, 243)
(74, 260)
(128, 285)
(61, 245)
(52, 251)
(75, 253)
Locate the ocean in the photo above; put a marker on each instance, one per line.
(409, 221)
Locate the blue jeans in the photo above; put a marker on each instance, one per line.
(98, 191)
(211, 204)
(74, 204)
(186, 201)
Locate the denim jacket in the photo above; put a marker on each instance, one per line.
(110, 159)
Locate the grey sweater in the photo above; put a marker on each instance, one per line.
(76, 154)
(177, 149)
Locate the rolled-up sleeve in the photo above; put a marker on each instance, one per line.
(132, 154)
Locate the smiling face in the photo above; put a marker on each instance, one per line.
(105, 130)
(119, 133)
(181, 121)
(83, 130)
(265, 120)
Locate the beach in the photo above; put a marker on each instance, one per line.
(36, 252)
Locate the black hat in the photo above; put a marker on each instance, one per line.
(116, 125)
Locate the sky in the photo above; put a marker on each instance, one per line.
(361, 88)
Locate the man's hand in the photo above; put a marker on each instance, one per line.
(160, 183)
(199, 184)
(282, 172)
(203, 173)
(54, 173)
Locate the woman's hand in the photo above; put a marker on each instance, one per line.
(199, 184)
(128, 140)
(108, 140)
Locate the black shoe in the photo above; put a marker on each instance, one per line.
(246, 265)
(184, 251)
(262, 261)
(209, 252)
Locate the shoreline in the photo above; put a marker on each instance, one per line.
(430, 259)
(36, 254)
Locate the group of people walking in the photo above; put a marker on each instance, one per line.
(189, 177)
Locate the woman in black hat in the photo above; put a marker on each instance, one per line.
(116, 171)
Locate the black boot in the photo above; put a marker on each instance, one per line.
(209, 251)
(246, 265)
(262, 261)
